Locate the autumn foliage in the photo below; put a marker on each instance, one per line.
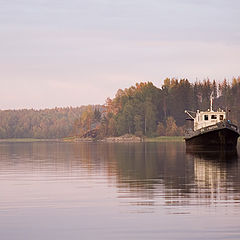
(143, 110)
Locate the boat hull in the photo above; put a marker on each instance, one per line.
(222, 136)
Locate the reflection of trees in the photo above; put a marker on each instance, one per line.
(144, 172)
(52, 158)
(151, 170)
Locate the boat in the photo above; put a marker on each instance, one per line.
(211, 130)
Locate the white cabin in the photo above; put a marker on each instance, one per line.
(208, 118)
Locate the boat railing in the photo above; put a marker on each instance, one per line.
(231, 125)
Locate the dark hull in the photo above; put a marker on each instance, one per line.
(221, 137)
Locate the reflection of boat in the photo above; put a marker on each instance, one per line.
(211, 170)
(215, 156)
(211, 130)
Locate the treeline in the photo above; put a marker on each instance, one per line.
(47, 123)
(144, 109)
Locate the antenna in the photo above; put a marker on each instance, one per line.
(211, 102)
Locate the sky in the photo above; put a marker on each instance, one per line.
(58, 53)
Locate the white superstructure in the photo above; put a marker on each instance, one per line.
(207, 118)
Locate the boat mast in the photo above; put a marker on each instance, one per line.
(211, 102)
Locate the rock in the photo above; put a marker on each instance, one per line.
(124, 138)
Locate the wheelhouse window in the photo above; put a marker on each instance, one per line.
(206, 117)
(221, 117)
(213, 116)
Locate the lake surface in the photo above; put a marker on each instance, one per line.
(117, 191)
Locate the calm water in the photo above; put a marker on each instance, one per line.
(117, 191)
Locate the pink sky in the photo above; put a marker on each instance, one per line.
(70, 53)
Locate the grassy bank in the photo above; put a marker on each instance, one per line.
(165, 139)
(152, 139)
(69, 139)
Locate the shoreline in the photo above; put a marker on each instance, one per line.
(132, 139)
(165, 139)
(109, 140)
(21, 140)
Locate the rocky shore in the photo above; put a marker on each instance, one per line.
(124, 138)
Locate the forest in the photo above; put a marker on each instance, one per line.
(142, 110)
(47, 123)
(145, 110)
